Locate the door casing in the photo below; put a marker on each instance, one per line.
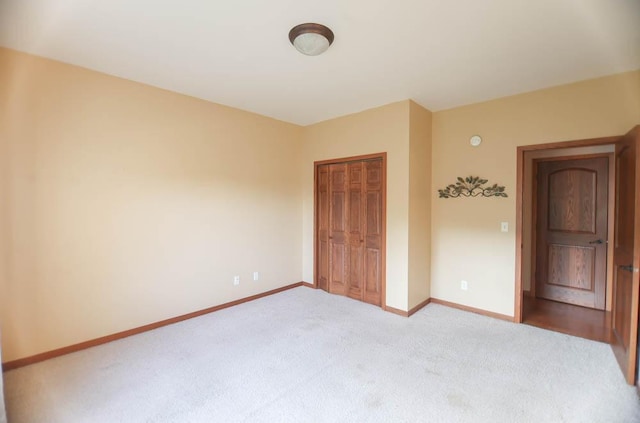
(629, 371)
(520, 181)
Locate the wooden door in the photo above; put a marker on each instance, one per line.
(373, 236)
(571, 228)
(338, 233)
(626, 259)
(349, 231)
(322, 227)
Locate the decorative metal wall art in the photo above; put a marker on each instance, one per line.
(471, 186)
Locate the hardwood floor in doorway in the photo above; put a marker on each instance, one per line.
(566, 318)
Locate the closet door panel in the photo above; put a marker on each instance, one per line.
(338, 235)
(373, 232)
(355, 231)
(323, 227)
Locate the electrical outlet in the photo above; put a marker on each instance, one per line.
(464, 285)
(256, 276)
(236, 280)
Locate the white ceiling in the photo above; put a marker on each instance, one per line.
(439, 53)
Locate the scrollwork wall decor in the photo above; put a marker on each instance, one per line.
(472, 186)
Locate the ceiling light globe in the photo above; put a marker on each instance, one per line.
(311, 44)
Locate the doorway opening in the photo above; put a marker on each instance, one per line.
(557, 243)
(568, 212)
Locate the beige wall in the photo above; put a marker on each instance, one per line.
(466, 239)
(123, 204)
(419, 204)
(372, 131)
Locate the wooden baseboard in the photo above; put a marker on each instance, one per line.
(407, 313)
(473, 310)
(308, 285)
(419, 306)
(396, 311)
(21, 362)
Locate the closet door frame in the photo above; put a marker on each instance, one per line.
(383, 250)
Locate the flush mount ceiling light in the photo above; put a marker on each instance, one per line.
(311, 39)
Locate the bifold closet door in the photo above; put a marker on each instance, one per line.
(349, 212)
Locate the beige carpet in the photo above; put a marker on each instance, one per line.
(307, 356)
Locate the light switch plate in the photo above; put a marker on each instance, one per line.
(504, 226)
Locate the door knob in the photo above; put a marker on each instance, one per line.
(628, 268)
(597, 241)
